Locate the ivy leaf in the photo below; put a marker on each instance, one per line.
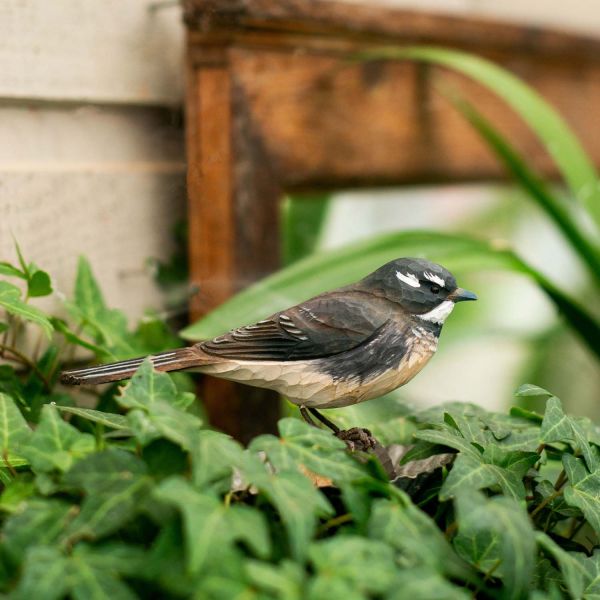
(298, 502)
(528, 390)
(10, 300)
(109, 325)
(88, 579)
(303, 446)
(44, 574)
(209, 524)
(558, 427)
(591, 567)
(474, 473)
(505, 519)
(583, 490)
(115, 482)
(55, 444)
(37, 522)
(112, 420)
(425, 583)
(369, 566)
(405, 527)
(147, 387)
(572, 570)
(214, 456)
(448, 438)
(284, 580)
(14, 431)
(157, 408)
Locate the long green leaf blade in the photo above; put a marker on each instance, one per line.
(537, 189)
(327, 270)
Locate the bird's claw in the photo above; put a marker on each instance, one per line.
(357, 439)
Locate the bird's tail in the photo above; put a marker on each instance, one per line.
(172, 360)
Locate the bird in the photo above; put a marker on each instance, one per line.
(342, 347)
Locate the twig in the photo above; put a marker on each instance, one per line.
(21, 358)
(561, 480)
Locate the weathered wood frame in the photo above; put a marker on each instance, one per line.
(273, 107)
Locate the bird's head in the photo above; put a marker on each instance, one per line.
(424, 289)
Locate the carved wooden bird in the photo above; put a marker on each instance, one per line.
(342, 347)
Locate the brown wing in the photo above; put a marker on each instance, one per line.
(323, 326)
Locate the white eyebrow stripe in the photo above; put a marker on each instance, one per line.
(408, 278)
(435, 279)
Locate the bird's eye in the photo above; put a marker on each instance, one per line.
(435, 289)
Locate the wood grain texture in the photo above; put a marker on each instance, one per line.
(231, 244)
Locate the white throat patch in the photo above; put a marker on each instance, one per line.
(434, 279)
(408, 278)
(439, 313)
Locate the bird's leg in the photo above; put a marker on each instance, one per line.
(325, 420)
(306, 416)
(356, 438)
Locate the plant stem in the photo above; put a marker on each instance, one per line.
(345, 518)
(562, 478)
(21, 358)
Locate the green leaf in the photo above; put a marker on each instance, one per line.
(535, 186)
(301, 446)
(39, 284)
(44, 574)
(572, 570)
(147, 387)
(423, 583)
(583, 490)
(528, 389)
(36, 522)
(448, 438)
(494, 467)
(11, 271)
(214, 456)
(209, 524)
(16, 493)
(55, 444)
(367, 565)
(298, 502)
(502, 518)
(71, 337)
(14, 431)
(558, 427)
(559, 140)
(522, 413)
(10, 300)
(302, 223)
(115, 482)
(156, 408)
(284, 580)
(405, 527)
(109, 325)
(111, 420)
(88, 581)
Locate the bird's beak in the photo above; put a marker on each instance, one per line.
(460, 295)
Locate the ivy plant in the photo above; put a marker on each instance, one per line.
(127, 493)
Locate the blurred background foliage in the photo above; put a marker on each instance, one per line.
(528, 248)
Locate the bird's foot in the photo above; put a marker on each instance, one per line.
(357, 439)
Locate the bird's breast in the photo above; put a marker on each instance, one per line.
(373, 369)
